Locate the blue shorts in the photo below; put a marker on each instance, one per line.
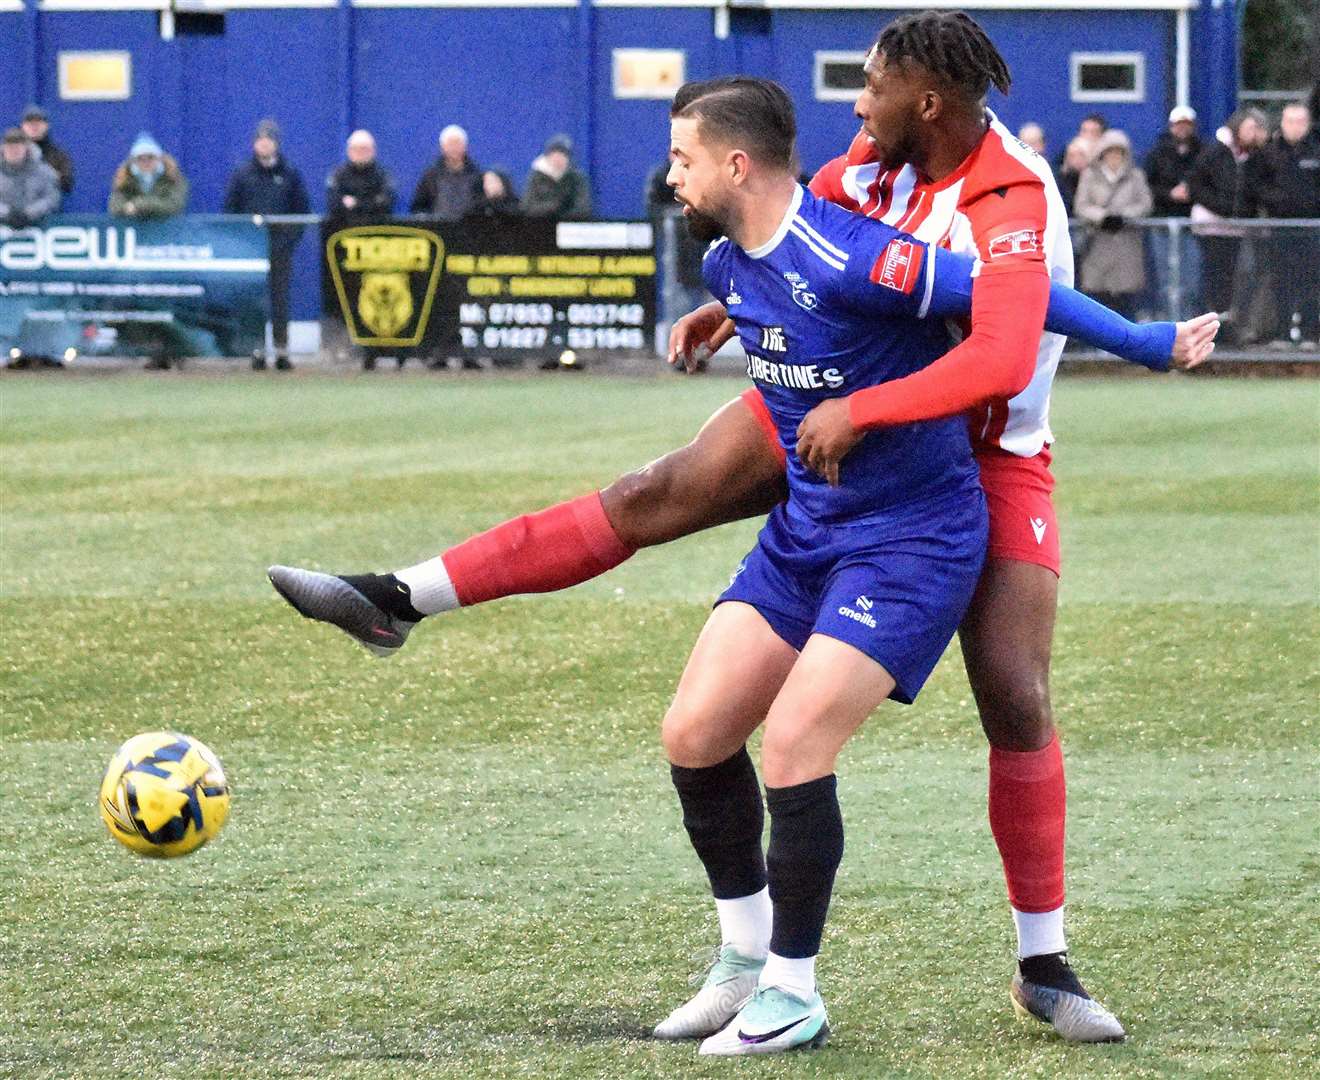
(895, 589)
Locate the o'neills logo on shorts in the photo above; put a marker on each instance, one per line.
(386, 277)
(864, 616)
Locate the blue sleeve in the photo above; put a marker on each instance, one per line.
(1070, 313)
(888, 273)
(712, 267)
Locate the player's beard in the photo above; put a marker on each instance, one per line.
(703, 227)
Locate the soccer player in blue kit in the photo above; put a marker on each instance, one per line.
(857, 583)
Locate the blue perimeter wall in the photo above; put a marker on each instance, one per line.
(512, 77)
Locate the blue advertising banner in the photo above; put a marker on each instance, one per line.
(105, 286)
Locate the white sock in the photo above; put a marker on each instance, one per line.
(798, 977)
(428, 582)
(1039, 932)
(745, 923)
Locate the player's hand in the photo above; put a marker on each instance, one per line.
(1194, 340)
(698, 335)
(824, 438)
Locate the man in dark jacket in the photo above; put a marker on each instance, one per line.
(1167, 168)
(451, 188)
(359, 189)
(555, 189)
(36, 126)
(1215, 185)
(1285, 181)
(267, 184)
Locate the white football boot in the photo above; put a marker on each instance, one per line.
(772, 1022)
(728, 985)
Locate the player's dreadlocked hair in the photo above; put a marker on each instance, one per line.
(756, 113)
(950, 45)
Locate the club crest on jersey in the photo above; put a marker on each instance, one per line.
(1019, 242)
(802, 296)
(773, 339)
(898, 266)
(733, 297)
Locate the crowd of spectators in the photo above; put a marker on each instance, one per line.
(1266, 282)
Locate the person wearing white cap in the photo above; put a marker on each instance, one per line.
(1167, 167)
(149, 184)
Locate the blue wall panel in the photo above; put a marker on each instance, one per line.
(632, 135)
(98, 133)
(507, 76)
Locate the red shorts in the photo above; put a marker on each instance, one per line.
(1018, 495)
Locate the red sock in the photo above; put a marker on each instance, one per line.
(553, 549)
(1028, 802)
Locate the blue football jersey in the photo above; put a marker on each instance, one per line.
(832, 303)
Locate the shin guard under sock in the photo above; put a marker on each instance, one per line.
(1028, 803)
(806, 846)
(542, 552)
(724, 818)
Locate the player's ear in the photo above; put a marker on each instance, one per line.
(930, 105)
(737, 163)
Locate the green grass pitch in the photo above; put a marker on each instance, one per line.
(467, 861)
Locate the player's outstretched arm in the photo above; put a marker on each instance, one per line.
(1155, 345)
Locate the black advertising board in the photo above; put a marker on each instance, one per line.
(489, 287)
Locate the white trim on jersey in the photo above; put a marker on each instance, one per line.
(930, 282)
(819, 252)
(764, 249)
(805, 224)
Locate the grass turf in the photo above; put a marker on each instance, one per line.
(468, 861)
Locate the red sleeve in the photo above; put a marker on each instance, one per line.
(1009, 298)
(1008, 225)
(996, 360)
(828, 182)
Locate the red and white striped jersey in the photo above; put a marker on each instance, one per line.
(1001, 206)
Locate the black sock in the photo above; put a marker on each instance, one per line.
(724, 818)
(1052, 969)
(387, 592)
(806, 847)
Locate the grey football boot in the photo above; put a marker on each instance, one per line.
(333, 600)
(1069, 1009)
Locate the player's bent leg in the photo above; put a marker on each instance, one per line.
(831, 690)
(1006, 638)
(731, 470)
(736, 666)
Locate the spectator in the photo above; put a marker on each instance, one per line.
(1034, 136)
(1076, 158)
(359, 189)
(36, 126)
(1286, 176)
(497, 198)
(1215, 185)
(267, 184)
(29, 188)
(1089, 131)
(555, 189)
(451, 188)
(1112, 192)
(1167, 167)
(149, 184)
(685, 290)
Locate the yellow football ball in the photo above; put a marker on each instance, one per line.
(164, 794)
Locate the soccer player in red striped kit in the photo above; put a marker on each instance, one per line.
(933, 161)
